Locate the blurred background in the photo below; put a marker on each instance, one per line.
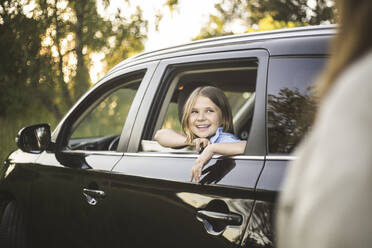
(52, 51)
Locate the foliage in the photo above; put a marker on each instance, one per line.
(171, 4)
(290, 115)
(297, 11)
(214, 28)
(129, 37)
(19, 49)
(268, 23)
(46, 52)
(265, 15)
(108, 117)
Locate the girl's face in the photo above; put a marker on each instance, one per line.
(205, 117)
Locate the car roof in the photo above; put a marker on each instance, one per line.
(312, 40)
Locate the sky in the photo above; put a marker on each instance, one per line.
(175, 28)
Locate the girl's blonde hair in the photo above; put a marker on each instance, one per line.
(352, 41)
(217, 97)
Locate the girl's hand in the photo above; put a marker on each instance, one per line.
(202, 160)
(200, 143)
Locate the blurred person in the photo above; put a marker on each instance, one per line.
(326, 198)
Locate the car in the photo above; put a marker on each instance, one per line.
(99, 178)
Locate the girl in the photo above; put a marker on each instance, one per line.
(207, 125)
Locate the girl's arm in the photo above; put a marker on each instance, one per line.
(170, 138)
(228, 149)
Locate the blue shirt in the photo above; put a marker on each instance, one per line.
(222, 137)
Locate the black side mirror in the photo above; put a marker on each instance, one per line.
(34, 139)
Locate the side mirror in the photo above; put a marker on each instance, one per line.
(34, 139)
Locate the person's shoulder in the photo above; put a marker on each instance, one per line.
(359, 73)
(353, 86)
(227, 138)
(345, 114)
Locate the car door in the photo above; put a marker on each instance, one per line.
(71, 191)
(155, 202)
(290, 80)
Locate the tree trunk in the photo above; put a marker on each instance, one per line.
(61, 81)
(82, 75)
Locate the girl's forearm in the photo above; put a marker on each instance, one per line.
(170, 138)
(229, 149)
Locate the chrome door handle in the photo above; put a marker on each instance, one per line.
(227, 218)
(95, 193)
(215, 223)
(92, 195)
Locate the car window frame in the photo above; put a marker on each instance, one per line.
(256, 145)
(275, 59)
(176, 72)
(102, 88)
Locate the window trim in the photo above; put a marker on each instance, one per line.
(98, 101)
(283, 57)
(62, 133)
(175, 79)
(191, 155)
(257, 141)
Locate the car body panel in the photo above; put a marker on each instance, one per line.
(156, 195)
(259, 40)
(59, 208)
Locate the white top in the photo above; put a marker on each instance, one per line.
(326, 198)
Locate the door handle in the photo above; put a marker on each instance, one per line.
(95, 193)
(92, 196)
(215, 223)
(226, 218)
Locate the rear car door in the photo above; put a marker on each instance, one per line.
(291, 106)
(155, 203)
(70, 193)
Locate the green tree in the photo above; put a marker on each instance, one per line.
(266, 14)
(19, 50)
(53, 41)
(291, 114)
(300, 11)
(46, 56)
(215, 27)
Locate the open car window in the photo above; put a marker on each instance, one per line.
(100, 126)
(237, 78)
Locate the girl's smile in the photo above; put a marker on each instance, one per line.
(205, 117)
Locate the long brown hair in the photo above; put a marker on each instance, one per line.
(217, 97)
(352, 41)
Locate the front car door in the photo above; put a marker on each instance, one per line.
(155, 203)
(71, 190)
